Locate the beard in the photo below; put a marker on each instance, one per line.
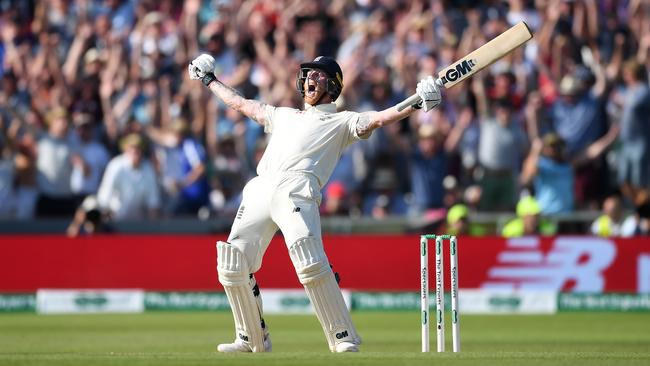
(314, 98)
(314, 93)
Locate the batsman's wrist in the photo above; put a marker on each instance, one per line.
(208, 78)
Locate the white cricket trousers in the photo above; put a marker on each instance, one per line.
(288, 201)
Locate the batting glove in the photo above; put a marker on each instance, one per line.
(202, 68)
(429, 91)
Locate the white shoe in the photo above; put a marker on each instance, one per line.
(346, 347)
(241, 346)
(236, 346)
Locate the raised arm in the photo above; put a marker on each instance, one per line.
(597, 147)
(253, 109)
(429, 92)
(202, 68)
(530, 168)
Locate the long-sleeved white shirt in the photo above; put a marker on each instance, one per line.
(128, 192)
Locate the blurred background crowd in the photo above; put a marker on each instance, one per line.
(99, 119)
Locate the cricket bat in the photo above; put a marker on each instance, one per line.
(477, 60)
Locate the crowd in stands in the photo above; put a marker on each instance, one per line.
(97, 111)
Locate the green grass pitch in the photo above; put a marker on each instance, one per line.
(390, 338)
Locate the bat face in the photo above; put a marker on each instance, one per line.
(458, 71)
(485, 55)
(480, 58)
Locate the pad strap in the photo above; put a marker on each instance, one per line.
(255, 289)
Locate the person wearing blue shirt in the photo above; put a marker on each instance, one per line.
(194, 186)
(634, 155)
(428, 169)
(578, 114)
(578, 118)
(552, 173)
(548, 168)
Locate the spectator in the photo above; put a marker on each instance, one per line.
(26, 192)
(638, 223)
(194, 188)
(578, 118)
(351, 171)
(464, 138)
(576, 115)
(90, 158)
(229, 169)
(458, 220)
(472, 197)
(335, 200)
(609, 224)
(428, 169)
(548, 168)
(502, 145)
(14, 100)
(553, 172)
(89, 219)
(121, 14)
(54, 167)
(383, 198)
(634, 164)
(184, 170)
(129, 188)
(6, 181)
(528, 221)
(240, 133)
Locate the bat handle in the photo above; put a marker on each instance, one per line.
(413, 99)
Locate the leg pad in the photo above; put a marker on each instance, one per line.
(233, 275)
(315, 274)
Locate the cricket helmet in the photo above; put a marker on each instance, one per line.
(330, 67)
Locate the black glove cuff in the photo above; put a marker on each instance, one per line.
(418, 105)
(208, 78)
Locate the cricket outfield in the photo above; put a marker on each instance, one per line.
(390, 338)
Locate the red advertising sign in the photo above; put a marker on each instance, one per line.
(381, 263)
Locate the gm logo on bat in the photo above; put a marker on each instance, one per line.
(462, 68)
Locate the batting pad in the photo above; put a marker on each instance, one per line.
(233, 275)
(315, 274)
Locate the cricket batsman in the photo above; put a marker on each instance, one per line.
(303, 149)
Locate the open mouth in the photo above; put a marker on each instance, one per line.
(311, 89)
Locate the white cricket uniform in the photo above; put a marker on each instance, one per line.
(303, 150)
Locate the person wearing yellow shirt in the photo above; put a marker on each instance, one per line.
(610, 223)
(459, 223)
(528, 221)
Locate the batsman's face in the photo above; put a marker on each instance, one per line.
(315, 86)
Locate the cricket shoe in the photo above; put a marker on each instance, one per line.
(240, 346)
(346, 347)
